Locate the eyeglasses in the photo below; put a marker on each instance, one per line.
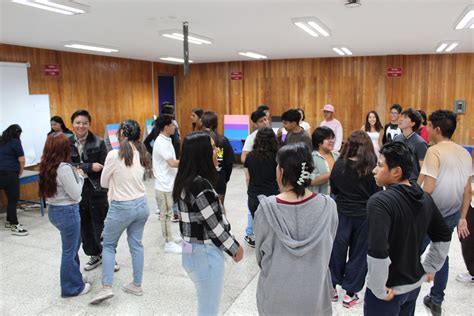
(394, 113)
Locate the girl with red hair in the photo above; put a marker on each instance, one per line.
(61, 185)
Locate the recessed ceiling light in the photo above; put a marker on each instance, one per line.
(92, 47)
(312, 26)
(466, 20)
(57, 6)
(446, 46)
(253, 55)
(174, 59)
(192, 38)
(342, 50)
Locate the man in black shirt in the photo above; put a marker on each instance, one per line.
(391, 129)
(398, 219)
(409, 123)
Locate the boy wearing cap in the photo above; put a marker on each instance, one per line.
(333, 124)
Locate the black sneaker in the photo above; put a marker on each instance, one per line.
(18, 230)
(93, 263)
(249, 240)
(434, 308)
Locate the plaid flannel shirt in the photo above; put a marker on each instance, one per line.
(202, 218)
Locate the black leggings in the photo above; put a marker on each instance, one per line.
(467, 244)
(10, 183)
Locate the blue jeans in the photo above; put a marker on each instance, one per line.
(67, 220)
(441, 277)
(352, 235)
(403, 304)
(249, 228)
(205, 266)
(132, 216)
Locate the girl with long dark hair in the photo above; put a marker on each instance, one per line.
(12, 162)
(225, 153)
(203, 225)
(195, 117)
(353, 184)
(61, 184)
(373, 127)
(58, 125)
(124, 173)
(260, 168)
(294, 231)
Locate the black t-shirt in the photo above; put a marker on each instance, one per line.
(352, 192)
(262, 176)
(9, 154)
(389, 132)
(225, 158)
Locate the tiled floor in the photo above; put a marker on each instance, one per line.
(29, 274)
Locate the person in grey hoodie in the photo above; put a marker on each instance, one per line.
(294, 234)
(61, 185)
(398, 219)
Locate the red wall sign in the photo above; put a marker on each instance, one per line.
(236, 75)
(394, 72)
(51, 70)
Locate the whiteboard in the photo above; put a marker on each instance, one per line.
(30, 111)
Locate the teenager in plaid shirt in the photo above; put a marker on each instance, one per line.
(204, 228)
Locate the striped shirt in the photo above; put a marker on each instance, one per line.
(202, 219)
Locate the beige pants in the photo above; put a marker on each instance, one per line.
(164, 200)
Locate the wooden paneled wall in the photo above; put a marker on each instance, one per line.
(111, 89)
(353, 85)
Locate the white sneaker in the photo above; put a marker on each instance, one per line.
(87, 288)
(171, 247)
(465, 278)
(157, 211)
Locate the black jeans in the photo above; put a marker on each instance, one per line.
(93, 210)
(400, 305)
(467, 244)
(10, 183)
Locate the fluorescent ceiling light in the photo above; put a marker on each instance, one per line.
(446, 46)
(192, 38)
(305, 28)
(58, 6)
(92, 47)
(252, 55)
(342, 50)
(337, 50)
(441, 47)
(346, 50)
(73, 7)
(451, 47)
(466, 20)
(312, 26)
(174, 59)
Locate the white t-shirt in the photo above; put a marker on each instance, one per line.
(451, 166)
(163, 151)
(248, 144)
(306, 126)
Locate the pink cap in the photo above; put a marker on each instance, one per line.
(329, 108)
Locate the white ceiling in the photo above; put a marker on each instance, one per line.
(378, 27)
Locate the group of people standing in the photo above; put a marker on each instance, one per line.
(388, 211)
(335, 212)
